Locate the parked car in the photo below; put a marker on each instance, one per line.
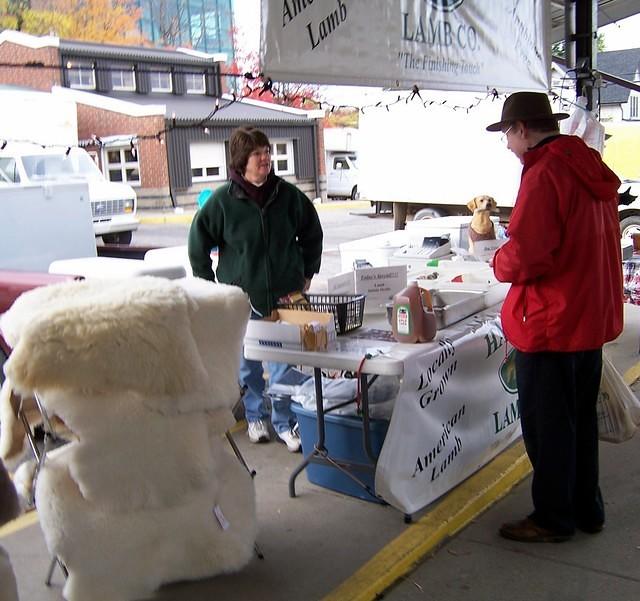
(113, 204)
(342, 176)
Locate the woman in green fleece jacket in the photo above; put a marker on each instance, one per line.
(269, 241)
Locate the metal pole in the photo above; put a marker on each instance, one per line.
(569, 33)
(586, 36)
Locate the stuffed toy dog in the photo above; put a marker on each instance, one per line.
(481, 226)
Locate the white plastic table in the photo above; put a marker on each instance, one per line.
(351, 352)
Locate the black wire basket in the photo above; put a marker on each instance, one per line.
(347, 309)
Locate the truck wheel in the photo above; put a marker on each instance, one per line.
(117, 238)
(427, 213)
(354, 193)
(630, 225)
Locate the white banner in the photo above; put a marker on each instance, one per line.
(456, 410)
(436, 44)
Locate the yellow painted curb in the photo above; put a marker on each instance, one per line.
(159, 218)
(23, 521)
(451, 514)
(162, 219)
(341, 205)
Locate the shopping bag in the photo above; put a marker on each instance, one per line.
(617, 406)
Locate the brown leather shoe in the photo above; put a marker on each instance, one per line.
(590, 528)
(527, 531)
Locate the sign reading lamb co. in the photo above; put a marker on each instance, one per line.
(436, 44)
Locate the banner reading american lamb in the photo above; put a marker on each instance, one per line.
(464, 45)
(456, 410)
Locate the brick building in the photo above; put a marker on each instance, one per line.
(157, 119)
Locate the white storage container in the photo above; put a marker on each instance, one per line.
(454, 226)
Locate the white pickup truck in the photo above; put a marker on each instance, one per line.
(342, 176)
(113, 205)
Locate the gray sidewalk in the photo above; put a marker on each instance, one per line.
(478, 565)
(324, 545)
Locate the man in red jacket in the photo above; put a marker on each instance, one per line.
(563, 261)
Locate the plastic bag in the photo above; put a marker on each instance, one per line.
(339, 396)
(584, 124)
(617, 406)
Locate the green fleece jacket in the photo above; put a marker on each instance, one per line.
(268, 252)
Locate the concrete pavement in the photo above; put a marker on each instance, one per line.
(478, 565)
(319, 545)
(324, 545)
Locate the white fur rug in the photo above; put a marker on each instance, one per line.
(143, 372)
(121, 556)
(140, 334)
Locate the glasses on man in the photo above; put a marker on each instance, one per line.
(503, 137)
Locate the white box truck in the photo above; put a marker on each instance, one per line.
(423, 152)
(434, 154)
(38, 145)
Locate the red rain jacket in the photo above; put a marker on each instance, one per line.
(563, 255)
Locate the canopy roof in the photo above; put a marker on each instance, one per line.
(609, 11)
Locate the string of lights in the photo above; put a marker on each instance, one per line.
(255, 85)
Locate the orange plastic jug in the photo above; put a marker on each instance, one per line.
(413, 319)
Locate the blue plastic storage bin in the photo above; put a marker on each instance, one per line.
(343, 440)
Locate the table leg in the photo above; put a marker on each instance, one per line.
(319, 446)
(320, 453)
(366, 434)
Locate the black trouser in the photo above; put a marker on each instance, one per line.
(557, 394)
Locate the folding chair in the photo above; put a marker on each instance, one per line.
(39, 455)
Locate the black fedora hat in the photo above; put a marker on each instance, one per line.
(525, 106)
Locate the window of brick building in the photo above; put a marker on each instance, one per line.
(207, 161)
(194, 83)
(123, 78)
(282, 157)
(160, 81)
(81, 75)
(122, 165)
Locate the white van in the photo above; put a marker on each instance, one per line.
(113, 205)
(342, 176)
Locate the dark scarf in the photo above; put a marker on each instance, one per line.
(259, 194)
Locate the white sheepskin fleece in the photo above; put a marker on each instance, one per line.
(143, 372)
(148, 335)
(125, 556)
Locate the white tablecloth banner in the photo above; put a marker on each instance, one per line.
(437, 44)
(456, 410)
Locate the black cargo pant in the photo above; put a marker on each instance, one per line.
(557, 395)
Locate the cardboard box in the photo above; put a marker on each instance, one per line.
(295, 330)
